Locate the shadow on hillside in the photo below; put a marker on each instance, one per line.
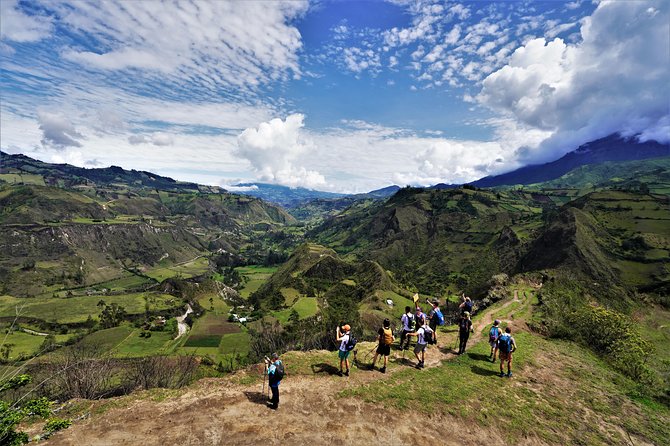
(446, 350)
(325, 368)
(479, 357)
(410, 362)
(483, 372)
(256, 397)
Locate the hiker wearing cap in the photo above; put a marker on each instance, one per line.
(464, 330)
(506, 346)
(343, 336)
(494, 334)
(275, 375)
(424, 336)
(385, 339)
(408, 326)
(466, 305)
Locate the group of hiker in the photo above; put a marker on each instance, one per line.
(413, 324)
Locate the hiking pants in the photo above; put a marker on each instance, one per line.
(463, 341)
(275, 397)
(404, 336)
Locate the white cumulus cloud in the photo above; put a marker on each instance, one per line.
(617, 79)
(57, 130)
(274, 147)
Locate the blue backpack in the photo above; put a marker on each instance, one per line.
(505, 343)
(440, 317)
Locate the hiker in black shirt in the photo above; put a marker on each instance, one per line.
(464, 330)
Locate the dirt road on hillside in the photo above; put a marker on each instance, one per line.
(221, 412)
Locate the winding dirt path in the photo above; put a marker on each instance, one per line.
(221, 411)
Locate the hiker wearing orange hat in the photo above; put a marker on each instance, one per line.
(347, 343)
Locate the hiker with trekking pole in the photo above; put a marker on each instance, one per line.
(385, 338)
(275, 372)
(435, 317)
(464, 330)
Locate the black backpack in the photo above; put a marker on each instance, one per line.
(428, 336)
(351, 343)
(278, 375)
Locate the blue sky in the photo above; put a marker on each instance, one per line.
(332, 95)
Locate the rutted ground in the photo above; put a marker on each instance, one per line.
(314, 407)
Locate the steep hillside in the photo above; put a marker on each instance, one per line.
(435, 239)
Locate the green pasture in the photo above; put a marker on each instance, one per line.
(305, 306)
(186, 270)
(78, 308)
(255, 276)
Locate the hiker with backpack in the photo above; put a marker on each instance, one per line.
(408, 326)
(275, 375)
(464, 330)
(385, 339)
(494, 334)
(435, 317)
(347, 344)
(466, 305)
(506, 346)
(424, 337)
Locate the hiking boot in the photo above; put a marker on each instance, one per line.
(346, 373)
(509, 374)
(340, 373)
(421, 364)
(502, 374)
(383, 370)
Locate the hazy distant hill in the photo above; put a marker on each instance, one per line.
(284, 196)
(610, 148)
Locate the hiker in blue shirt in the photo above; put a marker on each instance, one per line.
(275, 375)
(433, 318)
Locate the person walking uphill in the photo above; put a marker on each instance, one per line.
(435, 317)
(346, 345)
(275, 375)
(494, 334)
(506, 346)
(464, 330)
(408, 326)
(385, 339)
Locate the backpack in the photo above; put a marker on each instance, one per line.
(493, 334)
(388, 336)
(428, 336)
(439, 316)
(505, 343)
(351, 343)
(411, 322)
(278, 375)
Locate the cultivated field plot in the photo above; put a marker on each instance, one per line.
(17, 178)
(304, 306)
(135, 346)
(255, 277)
(186, 270)
(208, 331)
(123, 283)
(79, 308)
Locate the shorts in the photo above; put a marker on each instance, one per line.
(505, 356)
(493, 344)
(343, 354)
(418, 348)
(384, 349)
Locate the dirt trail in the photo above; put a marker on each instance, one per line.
(221, 412)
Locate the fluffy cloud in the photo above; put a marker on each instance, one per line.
(272, 149)
(20, 27)
(57, 130)
(157, 139)
(615, 80)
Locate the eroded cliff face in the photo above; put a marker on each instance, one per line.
(33, 258)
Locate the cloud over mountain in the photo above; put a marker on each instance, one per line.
(617, 79)
(273, 149)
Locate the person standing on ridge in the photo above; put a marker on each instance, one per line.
(385, 339)
(466, 305)
(494, 334)
(464, 330)
(423, 334)
(408, 326)
(506, 346)
(275, 375)
(343, 352)
(435, 317)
